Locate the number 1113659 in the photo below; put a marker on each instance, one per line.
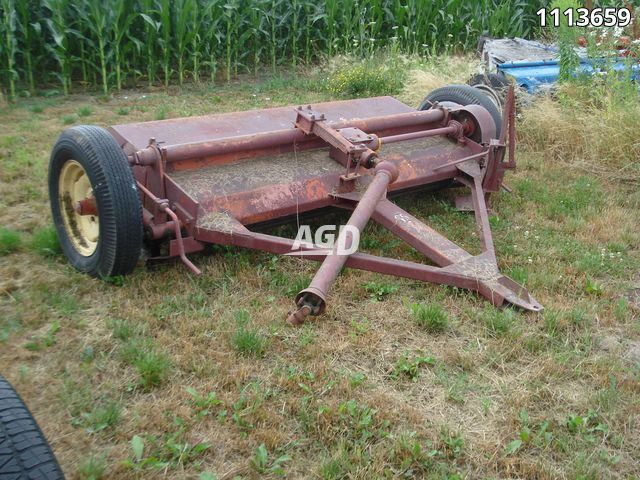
(584, 17)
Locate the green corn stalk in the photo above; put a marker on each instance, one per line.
(244, 47)
(58, 27)
(151, 29)
(196, 48)
(315, 14)
(332, 8)
(231, 21)
(308, 16)
(96, 18)
(212, 34)
(360, 36)
(257, 35)
(349, 19)
(269, 11)
(374, 27)
(27, 31)
(83, 63)
(132, 47)
(185, 12)
(9, 23)
(294, 34)
(121, 18)
(163, 8)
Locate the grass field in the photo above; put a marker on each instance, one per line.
(173, 376)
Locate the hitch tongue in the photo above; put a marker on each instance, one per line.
(311, 301)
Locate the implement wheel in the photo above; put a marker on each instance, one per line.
(24, 452)
(495, 86)
(95, 203)
(463, 95)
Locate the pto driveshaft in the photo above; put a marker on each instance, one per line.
(312, 300)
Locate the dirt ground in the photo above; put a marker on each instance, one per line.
(165, 375)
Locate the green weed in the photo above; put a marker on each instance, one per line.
(246, 340)
(153, 367)
(207, 476)
(122, 330)
(378, 291)
(621, 309)
(357, 379)
(413, 455)
(307, 335)
(85, 111)
(366, 79)
(538, 436)
(453, 443)
(360, 422)
(337, 466)
(69, 119)
(432, 317)
(115, 280)
(607, 398)
(359, 326)
(161, 112)
(263, 464)
(498, 322)
(10, 241)
(577, 317)
(100, 418)
(93, 467)
(75, 396)
(252, 397)
(171, 450)
(8, 325)
(48, 340)
(65, 303)
(203, 403)
(410, 367)
(592, 287)
(45, 242)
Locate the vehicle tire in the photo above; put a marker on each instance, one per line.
(463, 95)
(492, 80)
(24, 452)
(495, 86)
(87, 161)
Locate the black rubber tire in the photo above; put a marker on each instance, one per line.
(463, 95)
(498, 86)
(24, 452)
(117, 198)
(494, 80)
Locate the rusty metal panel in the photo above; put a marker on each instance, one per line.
(281, 185)
(226, 125)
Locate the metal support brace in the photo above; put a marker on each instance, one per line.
(163, 204)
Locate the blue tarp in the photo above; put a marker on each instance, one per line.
(535, 65)
(533, 75)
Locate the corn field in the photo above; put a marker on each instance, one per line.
(112, 44)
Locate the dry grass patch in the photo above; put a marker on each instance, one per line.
(591, 129)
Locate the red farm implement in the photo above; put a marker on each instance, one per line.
(214, 179)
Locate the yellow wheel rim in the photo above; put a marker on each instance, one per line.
(83, 230)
